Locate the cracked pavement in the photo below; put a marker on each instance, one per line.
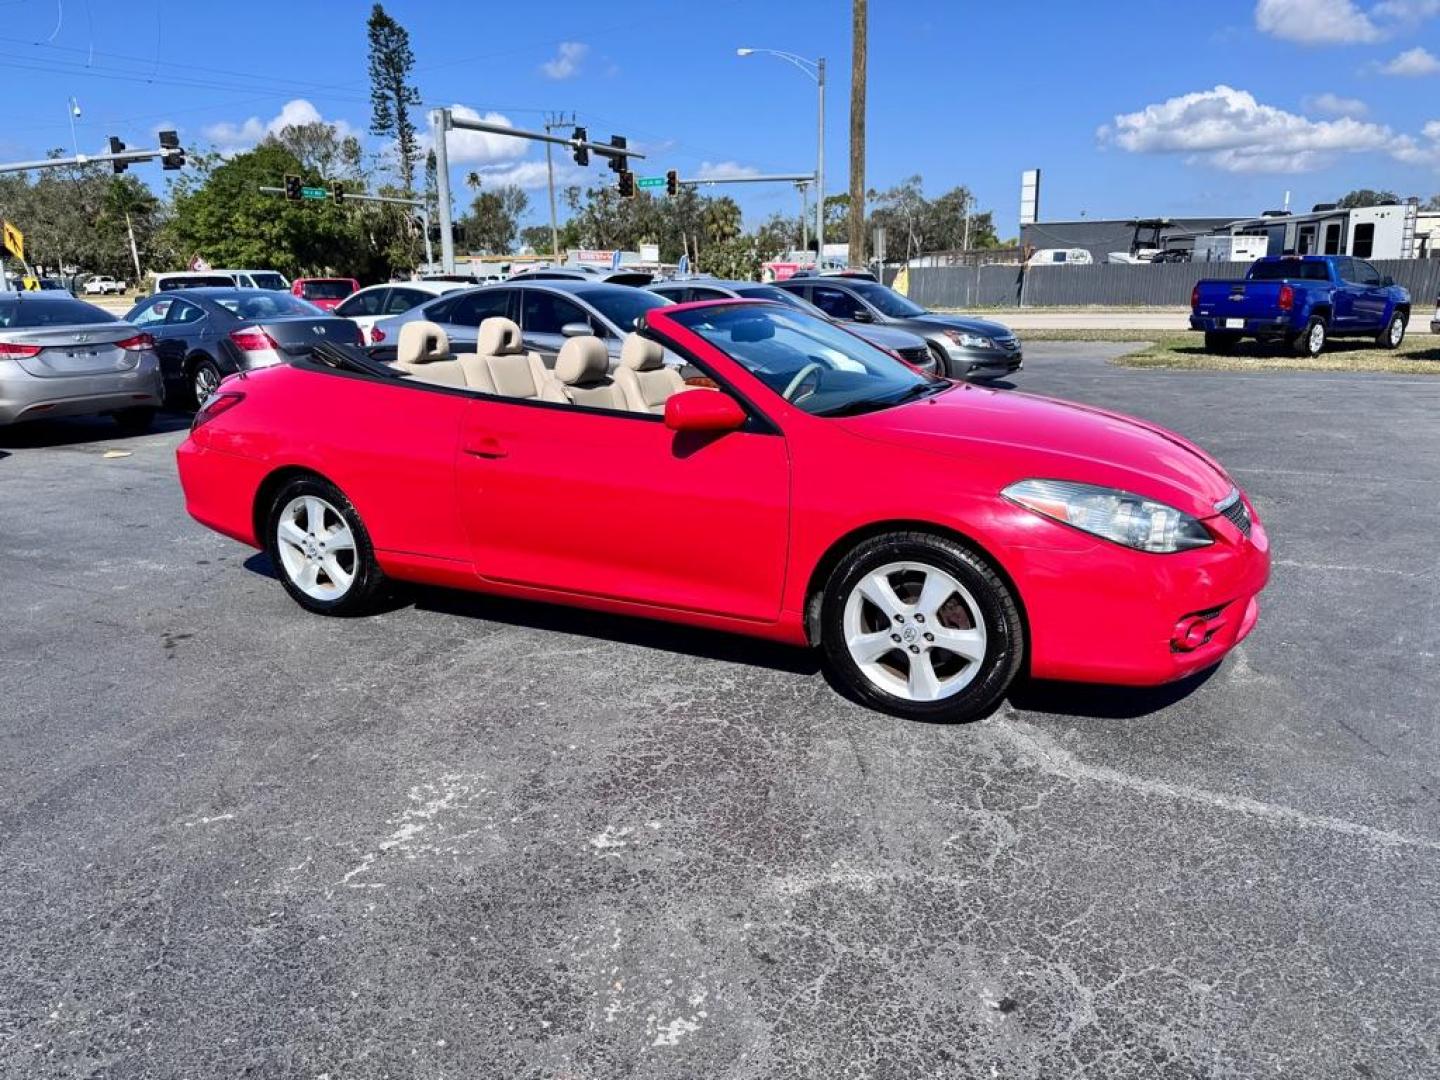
(475, 838)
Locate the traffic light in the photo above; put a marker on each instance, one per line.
(337, 190)
(672, 183)
(627, 184)
(434, 234)
(118, 147)
(619, 163)
(174, 156)
(292, 188)
(582, 152)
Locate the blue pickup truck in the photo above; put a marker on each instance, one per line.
(1302, 301)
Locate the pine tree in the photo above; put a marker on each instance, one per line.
(391, 93)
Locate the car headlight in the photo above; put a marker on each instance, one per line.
(968, 340)
(1118, 516)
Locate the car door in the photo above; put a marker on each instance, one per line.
(363, 309)
(150, 316)
(462, 315)
(616, 505)
(1371, 297)
(543, 314)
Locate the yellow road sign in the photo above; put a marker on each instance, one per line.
(14, 240)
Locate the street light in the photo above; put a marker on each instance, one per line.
(815, 69)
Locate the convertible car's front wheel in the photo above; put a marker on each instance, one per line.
(921, 626)
(320, 549)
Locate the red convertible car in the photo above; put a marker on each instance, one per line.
(790, 481)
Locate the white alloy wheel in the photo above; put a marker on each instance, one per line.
(1397, 331)
(207, 381)
(914, 631)
(1317, 339)
(317, 548)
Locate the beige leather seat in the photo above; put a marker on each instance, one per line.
(500, 365)
(423, 353)
(583, 368)
(643, 377)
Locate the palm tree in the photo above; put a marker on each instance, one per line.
(472, 181)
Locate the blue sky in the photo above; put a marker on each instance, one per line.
(1128, 107)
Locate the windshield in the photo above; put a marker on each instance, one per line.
(780, 296)
(326, 290)
(622, 306)
(886, 301)
(16, 314)
(268, 281)
(809, 361)
(250, 304)
(171, 283)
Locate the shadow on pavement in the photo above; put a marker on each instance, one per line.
(1103, 702)
(74, 431)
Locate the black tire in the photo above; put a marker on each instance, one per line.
(368, 586)
(1390, 338)
(204, 373)
(1305, 343)
(135, 421)
(998, 607)
(1221, 341)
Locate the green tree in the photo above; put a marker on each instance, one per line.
(1365, 197)
(392, 95)
(494, 219)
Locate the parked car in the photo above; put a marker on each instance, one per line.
(256, 279)
(1435, 322)
(60, 356)
(1025, 533)
(1303, 301)
(202, 335)
(638, 278)
(964, 348)
(547, 312)
(50, 284)
(909, 347)
(375, 302)
(102, 285)
(324, 293)
(192, 279)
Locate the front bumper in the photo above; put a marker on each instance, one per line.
(29, 397)
(1103, 613)
(983, 363)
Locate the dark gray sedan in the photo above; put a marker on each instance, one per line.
(967, 348)
(202, 335)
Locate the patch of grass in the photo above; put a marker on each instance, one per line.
(1418, 355)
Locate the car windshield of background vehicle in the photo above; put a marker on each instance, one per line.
(250, 305)
(17, 315)
(1292, 269)
(326, 290)
(268, 281)
(809, 361)
(621, 306)
(887, 301)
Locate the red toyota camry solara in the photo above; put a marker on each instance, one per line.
(791, 482)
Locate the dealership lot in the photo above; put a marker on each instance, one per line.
(472, 838)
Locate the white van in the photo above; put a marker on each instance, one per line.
(257, 279)
(1061, 257)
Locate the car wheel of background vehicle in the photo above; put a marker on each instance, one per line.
(135, 421)
(1394, 332)
(920, 626)
(319, 547)
(204, 380)
(1311, 340)
(1218, 341)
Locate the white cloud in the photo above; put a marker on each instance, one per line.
(1229, 129)
(480, 147)
(1316, 22)
(231, 138)
(1422, 151)
(1334, 105)
(566, 64)
(724, 170)
(1412, 63)
(1407, 11)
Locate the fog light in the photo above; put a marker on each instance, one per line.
(1191, 633)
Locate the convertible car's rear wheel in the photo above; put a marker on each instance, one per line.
(320, 549)
(921, 626)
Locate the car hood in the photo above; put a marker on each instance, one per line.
(887, 337)
(961, 322)
(1015, 436)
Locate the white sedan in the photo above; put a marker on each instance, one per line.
(375, 302)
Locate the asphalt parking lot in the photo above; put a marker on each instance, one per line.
(478, 839)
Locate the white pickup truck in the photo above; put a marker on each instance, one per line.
(103, 285)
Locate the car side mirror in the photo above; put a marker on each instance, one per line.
(703, 410)
(862, 315)
(576, 329)
(1387, 281)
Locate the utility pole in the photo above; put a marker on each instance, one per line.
(553, 121)
(858, 56)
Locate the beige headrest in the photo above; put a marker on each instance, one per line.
(498, 337)
(582, 360)
(641, 354)
(421, 342)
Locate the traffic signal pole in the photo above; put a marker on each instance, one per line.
(124, 157)
(444, 121)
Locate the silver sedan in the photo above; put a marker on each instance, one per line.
(63, 357)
